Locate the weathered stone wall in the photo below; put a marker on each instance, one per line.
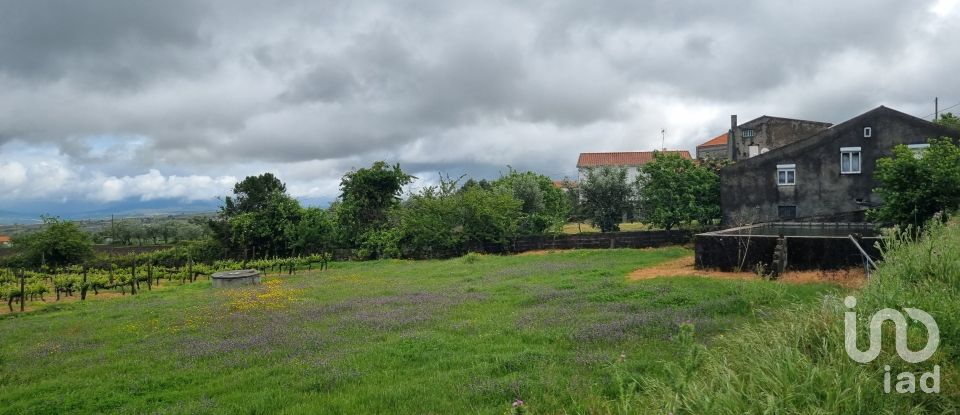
(749, 190)
(715, 152)
(772, 133)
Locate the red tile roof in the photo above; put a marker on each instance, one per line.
(5, 239)
(720, 140)
(623, 158)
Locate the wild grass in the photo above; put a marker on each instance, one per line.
(796, 362)
(559, 332)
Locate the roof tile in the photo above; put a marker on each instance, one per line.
(622, 158)
(715, 141)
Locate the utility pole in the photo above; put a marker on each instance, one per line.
(936, 109)
(663, 139)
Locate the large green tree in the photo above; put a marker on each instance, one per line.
(606, 197)
(315, 232)
(59, 243)
(253, 193)
(915, 186)
(366, 199)
(675, 190)
(259, 220)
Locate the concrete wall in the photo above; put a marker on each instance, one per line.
(749, 190)
(804, 253)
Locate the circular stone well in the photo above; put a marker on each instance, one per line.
(237, 278)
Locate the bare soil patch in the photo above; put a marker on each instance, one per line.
(682, 267)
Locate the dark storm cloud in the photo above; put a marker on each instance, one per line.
(107, 44)
(224, 88)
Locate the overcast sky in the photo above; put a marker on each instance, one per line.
(109, 101)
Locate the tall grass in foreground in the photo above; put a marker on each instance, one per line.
(796, 364)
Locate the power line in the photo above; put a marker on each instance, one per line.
(942, 110)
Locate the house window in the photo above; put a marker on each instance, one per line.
(787, 212)
(918, 149)
(867, 132)
(748, 133)
(786, 174)
(849, 160)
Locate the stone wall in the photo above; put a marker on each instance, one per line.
(750, 193)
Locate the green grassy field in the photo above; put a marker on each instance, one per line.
(467, 335)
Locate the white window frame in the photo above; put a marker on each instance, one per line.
(752, 132)
(786, 169)
(918, 149)
(867, 132)
(851, 151)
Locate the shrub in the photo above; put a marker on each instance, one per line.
(916, 186)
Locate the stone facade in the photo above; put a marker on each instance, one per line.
(757, 136)
(716, 152)
(753, 190)
(767, 133)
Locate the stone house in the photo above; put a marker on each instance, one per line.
(758, 136)
(827, 176)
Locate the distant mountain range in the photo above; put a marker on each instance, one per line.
(75, 211)
(27, 213)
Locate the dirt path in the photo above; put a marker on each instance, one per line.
(684, 267)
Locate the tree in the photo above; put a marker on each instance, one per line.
(674, 190)
(575, 208)
(489, 216)
(543, 205)
(431, 222)
(58, 244)
(947, 119)
(606, 197)
(915, 186)
(314, 234)
(259, 220)
(367, 195)
(253, 193)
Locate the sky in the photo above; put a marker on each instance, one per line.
(126, 103)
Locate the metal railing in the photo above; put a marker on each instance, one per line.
(868, 263)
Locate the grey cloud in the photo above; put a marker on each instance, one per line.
(213, 85)
(107, 44)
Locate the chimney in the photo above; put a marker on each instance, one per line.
(731, 144)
